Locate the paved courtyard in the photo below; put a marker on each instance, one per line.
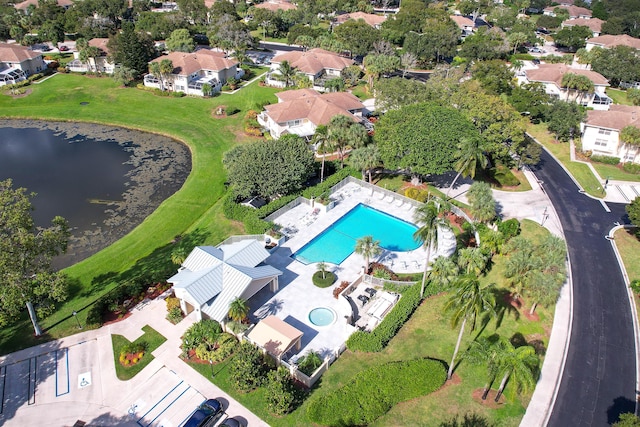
(298, 296)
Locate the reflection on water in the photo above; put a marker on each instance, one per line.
(103, 180)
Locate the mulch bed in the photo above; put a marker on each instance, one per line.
(113, 317)
(489, 402)
(215, 114)
(21, 95)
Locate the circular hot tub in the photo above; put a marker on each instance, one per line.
(322, 316)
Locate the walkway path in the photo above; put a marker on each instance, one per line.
(74, 379)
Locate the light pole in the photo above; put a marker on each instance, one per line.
(211, 364)
(75, 315)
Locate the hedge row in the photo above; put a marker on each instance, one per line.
(378, 339)
(373, 392)
(609, 160)
(253, 218)
(631, 168)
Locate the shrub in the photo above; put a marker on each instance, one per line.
(219, 350)
(172, 302)
(372, 392)
(323, 282)
(338, 289)
(635, 286)
(206, 331)
(246, 369)
(423, 196)
(412, 192)
(280, 395)
(175, 315)
(609, 160)
(509, 228)
(631, 168)
(381, 274)
(504, 176)
(377, 340)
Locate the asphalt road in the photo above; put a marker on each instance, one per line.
(599, 378)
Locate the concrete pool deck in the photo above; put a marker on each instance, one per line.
(298, 296)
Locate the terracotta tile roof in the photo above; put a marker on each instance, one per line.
(100, 44)
(573, 10)
(552, 73)
(25, 4)
(313, 61)
(462, 21)
(276, 5)
(618, 117)
(594, 24)
(203, 59)
(369, 18)
(16, 53)
(608, 41)
(309, 104)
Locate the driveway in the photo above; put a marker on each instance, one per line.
(63, 382)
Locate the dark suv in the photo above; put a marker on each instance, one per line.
(206, 415)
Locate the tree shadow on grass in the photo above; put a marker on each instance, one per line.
(503, 306)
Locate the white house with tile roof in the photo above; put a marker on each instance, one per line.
(211, 277)
(573, 11)
(608, 41)
(100, 64)
(601, 132)
(192, 70)
(301, 111)
(550, 75)
(594, 24)
(370, 18)
(317, 64)
(18, 62)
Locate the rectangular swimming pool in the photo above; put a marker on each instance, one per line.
(338, 241)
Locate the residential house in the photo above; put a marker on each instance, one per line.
(101, 64)
(601, 132)
(24, 6)
(301, 111)
(18, 62)
(575, 12)
(210, 278)
(276, 5)
(550, 75)
(191, 71)
(318, 65)
(608, 41)
(594, 24)
(466, 25)
(371, 19)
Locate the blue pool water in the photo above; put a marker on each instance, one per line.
(322, 316)
(338, 241)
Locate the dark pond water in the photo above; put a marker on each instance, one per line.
(103, 180)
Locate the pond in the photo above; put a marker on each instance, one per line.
(103, 180)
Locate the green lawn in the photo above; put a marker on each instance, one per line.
(618, 96)
(614, 172)
(151, 337)
(194, 210)
(629, 247)
(427, 334)
(561, 151)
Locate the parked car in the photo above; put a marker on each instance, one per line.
(232, 422)
(63, 48)
(207, 414)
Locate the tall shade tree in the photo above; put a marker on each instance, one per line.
(368, 248)
(238, 309)
(469, 156)
(25, 258)
(131, 49)
(519, 366)
(365, 159)
(376, 65)
(344, 133)
(429, 217)
(468, 302)
(180, 41)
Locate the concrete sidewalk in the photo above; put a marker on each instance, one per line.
(108, 400)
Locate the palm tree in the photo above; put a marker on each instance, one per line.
(576, 82)
(368, 248)
(166, 69)
(630, 136)
(470, 154)
(443, 271)
(238, 309)
(519, 269)
(472, 260)
(322, 267)
(468, 302)
(484, 351)
(428, 215)
(365, 159)
(287, 72)
(518, 364)
(321, 141)
(178, 255)
(343, 133)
